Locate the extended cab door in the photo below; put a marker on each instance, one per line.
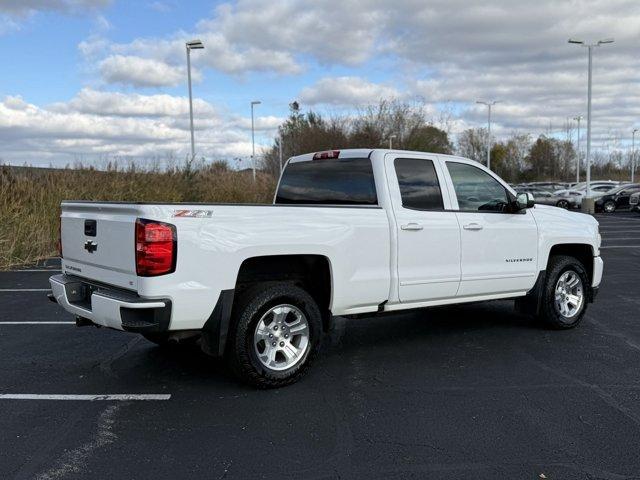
(428, 236)
(499, 249)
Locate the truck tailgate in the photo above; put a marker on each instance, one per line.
(98, 242)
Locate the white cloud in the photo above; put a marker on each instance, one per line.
(94, 125)
(268, 123)
(28, 7)
(333, 31)
(266, 36)
(14, 12)
(142, 72)
(346, 91)
(162, 7)
(133, 105)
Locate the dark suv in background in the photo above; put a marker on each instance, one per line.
(616, 199)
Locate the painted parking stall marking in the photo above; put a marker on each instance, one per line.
(13, 290)
(619, 231)
(122, 397)
(37, 323)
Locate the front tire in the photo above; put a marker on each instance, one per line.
(609, 207)
(563, 204)
(565, 293)
(275, 335)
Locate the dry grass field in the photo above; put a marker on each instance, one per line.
(30, 198)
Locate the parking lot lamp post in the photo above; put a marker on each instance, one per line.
(633, 153)
(578, 119)
(590, 48)
(489, 105)
(192, 45)
(391, 137)
(280, 153)
(253, 140)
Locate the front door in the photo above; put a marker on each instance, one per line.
(499, 250)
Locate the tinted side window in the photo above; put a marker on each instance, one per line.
(328, 182)
(476, 190)
(418, 183)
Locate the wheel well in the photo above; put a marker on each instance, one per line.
(580, 251)
(311, 272)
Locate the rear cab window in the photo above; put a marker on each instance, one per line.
(336, 181)
(418, 183)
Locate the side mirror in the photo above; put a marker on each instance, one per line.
(524, 200)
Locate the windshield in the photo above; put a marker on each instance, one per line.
(621, 188)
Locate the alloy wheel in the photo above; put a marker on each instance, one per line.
(281, 337)
(569, 294)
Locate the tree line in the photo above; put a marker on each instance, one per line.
(517, 158)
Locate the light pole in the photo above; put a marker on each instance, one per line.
(280, 153)
(391, 137)
(633, 153)
(253, 140)
(192, 45)
(489, 105)
(590, 48)
(578, 119)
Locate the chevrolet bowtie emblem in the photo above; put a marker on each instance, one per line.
(90, 246)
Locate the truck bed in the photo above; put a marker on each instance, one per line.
(213, 240)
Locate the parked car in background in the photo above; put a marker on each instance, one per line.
(578, 192)
(616, 199)
(634, 202)
(548, 186)
(543, 197)
(596, 183)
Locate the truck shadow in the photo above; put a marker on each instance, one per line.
(446, 328)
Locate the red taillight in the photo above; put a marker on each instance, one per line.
(155, 248)
(326, 155)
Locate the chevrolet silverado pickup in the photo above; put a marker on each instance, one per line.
(349, 233)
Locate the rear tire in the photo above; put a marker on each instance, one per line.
(563, 204)
(565, 293)
(274, 336)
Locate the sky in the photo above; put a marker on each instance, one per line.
(95, 80)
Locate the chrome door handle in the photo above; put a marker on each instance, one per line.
(411, 226)
(473, 226)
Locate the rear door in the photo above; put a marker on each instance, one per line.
(499, 250)
(428, 245)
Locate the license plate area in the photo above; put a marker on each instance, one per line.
(79, 294)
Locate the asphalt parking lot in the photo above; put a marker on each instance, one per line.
(467, 392)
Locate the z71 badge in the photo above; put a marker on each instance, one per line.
(193, 213)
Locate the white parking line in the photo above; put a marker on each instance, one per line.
(37, 323)
(91, 398)
(25, 289)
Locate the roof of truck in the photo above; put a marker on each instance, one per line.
(357, 153)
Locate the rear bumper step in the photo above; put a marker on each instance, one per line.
(109, 306)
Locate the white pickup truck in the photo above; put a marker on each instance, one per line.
(350, 232)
